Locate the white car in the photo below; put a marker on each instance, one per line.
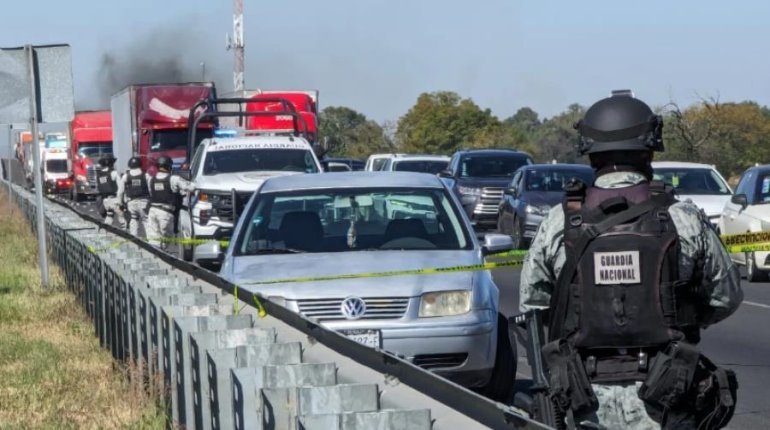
(700, 183)
(433, 164)
(225, 172)
(375, 161)
(749, 211)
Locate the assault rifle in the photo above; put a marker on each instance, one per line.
(538, 403)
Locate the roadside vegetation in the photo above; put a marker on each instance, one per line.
(53, 373)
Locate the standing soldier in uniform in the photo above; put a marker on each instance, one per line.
(164, 189)
(629, 276)
(136, 195)
(110, 189)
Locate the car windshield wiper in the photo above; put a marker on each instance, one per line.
(276, 251)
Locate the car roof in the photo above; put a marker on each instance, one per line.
(416, 157)
(493, 151)
(680, 165)
(246, 142)
(315, 181)
(556, 166)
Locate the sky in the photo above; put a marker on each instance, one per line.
(377, 56)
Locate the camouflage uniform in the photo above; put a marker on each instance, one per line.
(160, 220)
(619, 405)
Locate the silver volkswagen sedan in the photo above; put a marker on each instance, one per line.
(358, 222)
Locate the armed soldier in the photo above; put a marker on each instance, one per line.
(136, 195)
(629, 276)
(165, 189)
(110, 189)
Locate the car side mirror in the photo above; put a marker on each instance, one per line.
(185, 174)
(740, 200)
(511, 191)
(494, 243)
(446, 173)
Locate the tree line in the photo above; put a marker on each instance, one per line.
(732, 136)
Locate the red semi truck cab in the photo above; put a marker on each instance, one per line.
(91, 139)
(151, 121)
(305, 103)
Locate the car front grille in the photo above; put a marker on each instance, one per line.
(224, 205)
(439, 361)
(489, 201)
(91, 175)
(377, 308)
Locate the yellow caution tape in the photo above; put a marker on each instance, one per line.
(746, 238)
(262, 312)
(759, 247)
(424, 271)
(236, 307)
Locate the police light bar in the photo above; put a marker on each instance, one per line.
(225, 132)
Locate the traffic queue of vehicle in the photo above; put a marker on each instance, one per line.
(245, 193)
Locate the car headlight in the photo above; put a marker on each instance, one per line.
(538, 210)
(469, 191)
(445, 303)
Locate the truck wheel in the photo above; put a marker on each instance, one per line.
(500, 384)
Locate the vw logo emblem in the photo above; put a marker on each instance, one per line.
(353, 308)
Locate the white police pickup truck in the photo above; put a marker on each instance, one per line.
(226, 170)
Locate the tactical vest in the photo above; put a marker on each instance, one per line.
(105, 184)
(621, 298)
(160, 191)
(136, 186)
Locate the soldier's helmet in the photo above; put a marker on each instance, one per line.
(619, 123)
(165, 163)
(134, 163)
(107, 161)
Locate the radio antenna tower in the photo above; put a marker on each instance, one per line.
(236, 45)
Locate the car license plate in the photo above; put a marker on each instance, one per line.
(370, 338)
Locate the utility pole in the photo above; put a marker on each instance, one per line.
(11, 157)
(236, 44)
(42, 249)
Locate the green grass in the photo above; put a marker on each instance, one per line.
(53, 374)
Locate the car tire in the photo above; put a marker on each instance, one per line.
(500, 385)
(519, 241)
(752, 273)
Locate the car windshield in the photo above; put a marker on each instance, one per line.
(423, 166)
(55, 142)
(56, 166)
(353, 220)
(95, 149)
(491, 166)
(553, 179)
(262, 159)
(171, 140)
(692, 181)
(378, 163)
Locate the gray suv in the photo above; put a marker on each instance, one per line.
(349, 223)
(479, 177)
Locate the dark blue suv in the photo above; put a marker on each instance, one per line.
(478, 178)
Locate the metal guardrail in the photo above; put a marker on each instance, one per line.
(222, 367)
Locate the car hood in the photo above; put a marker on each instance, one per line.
(711, 204)
(484, 182)
(549, 198)
(242, 181)
(266, 267)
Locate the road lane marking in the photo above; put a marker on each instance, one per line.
(759, 305)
